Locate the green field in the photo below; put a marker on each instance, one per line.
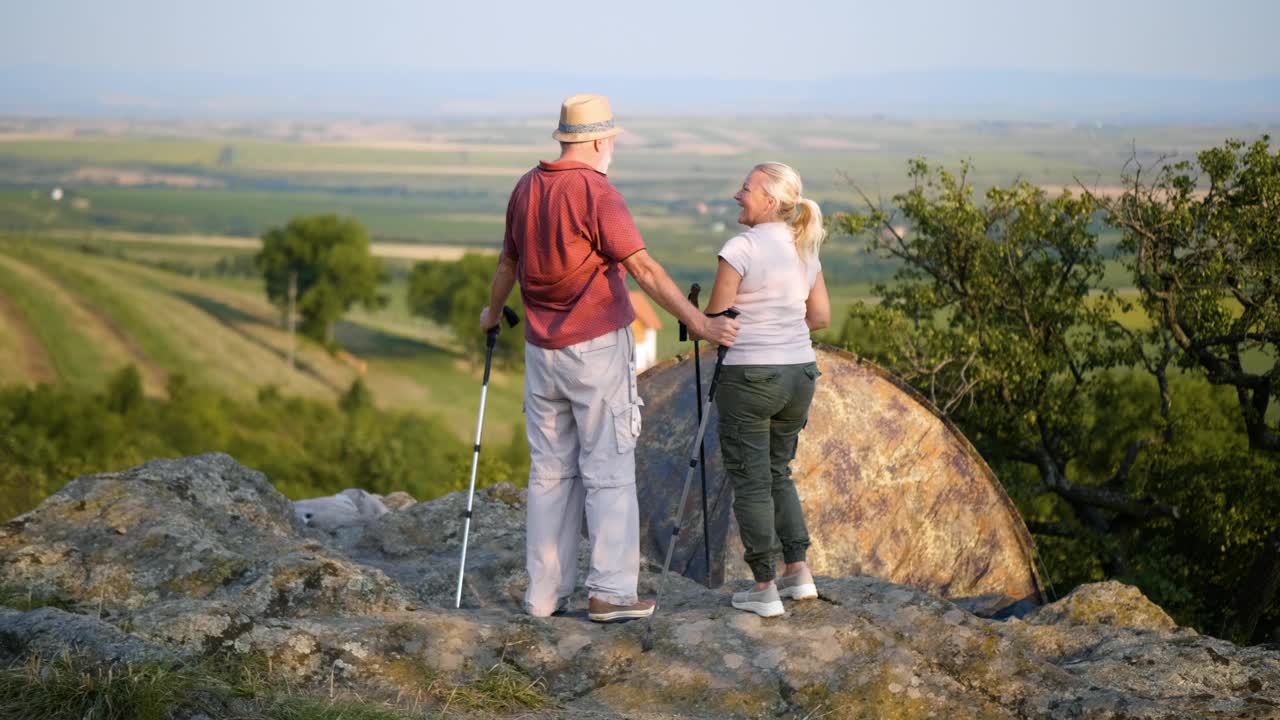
(92, 314)
(75, 304)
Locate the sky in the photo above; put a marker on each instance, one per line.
(743, 40)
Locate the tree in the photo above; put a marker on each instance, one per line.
(356, 399)
(124, 391)
(1205, 245)
(452, 294)
(326, 260)
(997, 315)
(1124, 465)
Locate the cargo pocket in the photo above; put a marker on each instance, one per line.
(812, 372)
(626, 425)
(731, 451)
(760, 374)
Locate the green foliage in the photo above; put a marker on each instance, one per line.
(356, 399)
(1122, 466)
(454, 293)
(124, 391)
(1207, 263)
(991, 311)
(327, 259)
(1204, 239)
(49, 435)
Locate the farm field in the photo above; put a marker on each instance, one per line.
(143, 254)
(79, 317)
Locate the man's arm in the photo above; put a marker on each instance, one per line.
(504, 280)
(658, 285)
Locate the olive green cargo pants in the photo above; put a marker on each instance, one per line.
(762, 410)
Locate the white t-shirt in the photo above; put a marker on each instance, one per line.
(771, 298)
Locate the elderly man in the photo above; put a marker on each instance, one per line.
(569, 237)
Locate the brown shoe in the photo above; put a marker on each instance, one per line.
(603, 612)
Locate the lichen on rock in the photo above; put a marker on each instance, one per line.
(201, 559)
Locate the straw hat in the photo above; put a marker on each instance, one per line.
(585, 117)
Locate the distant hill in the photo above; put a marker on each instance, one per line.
(74, 311)
(985, 94)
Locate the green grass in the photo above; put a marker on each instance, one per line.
(267, 181)
(179, 329)
(225, 335)
(72, 688)
(54, 323)
(25, 599)
(116, 151)
(248, 213)
(67, 688)
(269, 176)
(107, 296)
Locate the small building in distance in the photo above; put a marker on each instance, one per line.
(645, 327)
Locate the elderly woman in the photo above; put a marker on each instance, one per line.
(771, 274)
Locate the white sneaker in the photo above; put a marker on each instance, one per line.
(797, 586)
(764, 603)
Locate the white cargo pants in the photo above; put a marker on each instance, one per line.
(583, 417)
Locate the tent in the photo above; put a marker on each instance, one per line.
(889, 486)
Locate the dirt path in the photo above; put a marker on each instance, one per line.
(31, 364)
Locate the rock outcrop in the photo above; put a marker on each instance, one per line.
(202, 558)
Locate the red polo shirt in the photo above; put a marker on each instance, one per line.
(568, 230)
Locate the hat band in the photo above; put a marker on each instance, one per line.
(587, 127)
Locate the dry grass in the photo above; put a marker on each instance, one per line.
(72, 688)
(398, 251)
(135, 178)
(406, 251)
(387, 169)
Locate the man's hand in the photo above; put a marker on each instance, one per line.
(719, 330)
(489, 320)
(657, 284)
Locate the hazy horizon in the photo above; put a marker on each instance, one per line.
(1095, 60)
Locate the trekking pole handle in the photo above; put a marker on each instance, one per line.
(491, 335)
(731, 313)
(510, 316)
(693, 299)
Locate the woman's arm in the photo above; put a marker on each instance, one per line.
(725, 289)
(817, 307)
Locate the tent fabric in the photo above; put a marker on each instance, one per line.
(890, 488)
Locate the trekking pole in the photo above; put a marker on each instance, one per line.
(702, 446)
(693, 457)
(491, 339)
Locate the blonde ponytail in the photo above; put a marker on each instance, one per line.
(801, 214)
(806, 225)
